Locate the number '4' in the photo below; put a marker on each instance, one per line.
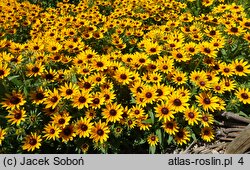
(241, 161)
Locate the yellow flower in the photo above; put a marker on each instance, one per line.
(207, 119)
(164, 112)
(170, 127)
(241, 67)
(83, 127)
(67, 133)
(32, 142)
(152, 140)
(207, 101)
(2, 135)
(81, 100)
(113, 112)
(16, 116)
(243, 94)
(192, 116)
(52, 98)
(51, 131)
(68, 90)
(13, 100)
(99, 132)
(179, 103)
(207, 134)
(4, 70)
(182, 136)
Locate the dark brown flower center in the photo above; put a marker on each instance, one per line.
(86, 85)
(244, 95)
(205, 118)
(69, 91)
(149, 95)
(142, 60)
(247, 24)
(227, 83)
(96, 101)
(153, 50)
(106, 96)
(112, 112)
(239, 68)
(100, 132)
(52, 131)
(84, 127)
(170, 125)
(207, 50)
(39, 96)
(191, 115)
(179, 55)
(137, 112)
(80, 61)
(99, 64)
(177, 102)
(209, 78)
(179, 78)
(217, 87)
(153, 138)
(130, 122)
(152, 66)
(36, 47)
(15, 100)
(61, 121)
(212, 32)
(49, 76)
(123, 76)
(18, 115)
(226, 70)
(202, 83)
(98, 79)
(35, 69)
(82, 99)
(206, 100)
(67, 131)
(54, 48)
(118, 129)
(54, 99)
(1, 72)
(14, 60)
(33, 141)
(159, 92)
(234, 29)
(165, 67)
(164, 111)
(180, 134)
(191, 49)
(216, 44)
(206, 132)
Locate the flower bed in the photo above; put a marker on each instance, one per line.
(120, 76)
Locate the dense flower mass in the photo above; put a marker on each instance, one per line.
(112, 76)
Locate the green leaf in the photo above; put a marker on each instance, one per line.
(148, 121)
(14, 80)
(26, 93)
(243, 114)
(74, 79)
(152, 116)
(193, 136)
(132, 101)
(159, 134)
(12, 77)
(170, 139)
(152, 149)
(223, 52)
